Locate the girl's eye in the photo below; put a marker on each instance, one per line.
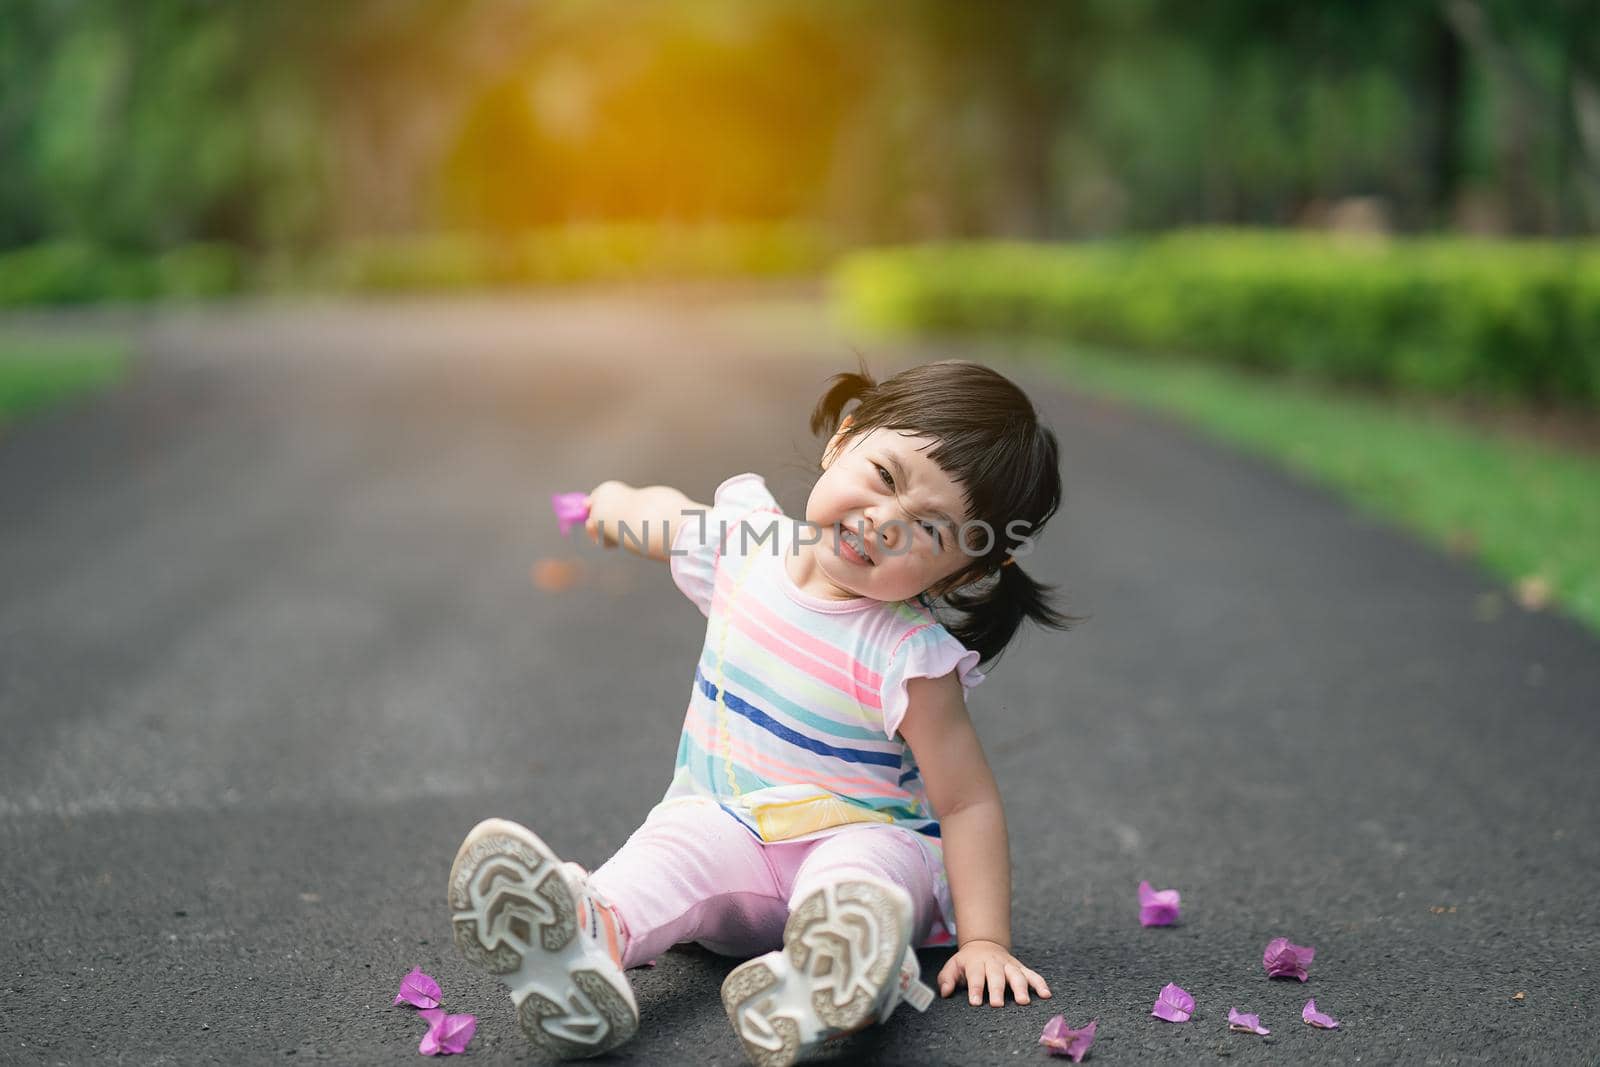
(933, 531)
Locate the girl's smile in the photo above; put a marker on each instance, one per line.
(850, 548)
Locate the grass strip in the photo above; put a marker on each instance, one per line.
(1530, 513)
(39, 372)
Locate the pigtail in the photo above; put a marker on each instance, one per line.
(994, 611)
(842, 388)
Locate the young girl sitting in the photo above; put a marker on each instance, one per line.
(831, 806)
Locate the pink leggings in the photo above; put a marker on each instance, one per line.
(693, 872)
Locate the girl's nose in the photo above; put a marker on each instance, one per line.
(889, 525)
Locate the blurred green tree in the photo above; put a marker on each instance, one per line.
(282, 125)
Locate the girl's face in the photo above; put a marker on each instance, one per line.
(907, 511)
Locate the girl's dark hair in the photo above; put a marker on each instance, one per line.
(992, 444)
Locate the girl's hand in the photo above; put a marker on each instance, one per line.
(605, 502)
(985, 963)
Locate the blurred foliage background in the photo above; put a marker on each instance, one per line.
(1375, 198)
(188, 145)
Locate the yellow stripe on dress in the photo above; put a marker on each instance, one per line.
(784, 819)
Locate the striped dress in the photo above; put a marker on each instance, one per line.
(793, 719)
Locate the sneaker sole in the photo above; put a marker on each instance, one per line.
(515, 916)
(862, 925)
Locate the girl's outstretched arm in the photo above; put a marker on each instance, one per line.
(977, 856)
(641, 520)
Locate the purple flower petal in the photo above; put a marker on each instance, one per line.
(571, 509)
(1311, 1015)
(1063, 1040)
(418, 990)
(1173, 1005)
(447, 1034)
(1157, 907)
(1283, 960)
(1246, 1024)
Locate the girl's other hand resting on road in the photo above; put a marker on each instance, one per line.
(985, 964)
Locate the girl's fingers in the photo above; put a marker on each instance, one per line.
(1019, 983)
(995, 977)
(997, 986)
(947, 977)
(1037, 982)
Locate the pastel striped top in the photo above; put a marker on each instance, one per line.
(793, 718)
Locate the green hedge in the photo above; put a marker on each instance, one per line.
(572, 254)
(1448, 315)
(72, 272)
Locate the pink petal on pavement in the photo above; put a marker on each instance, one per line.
(1246, 1024)
(1173, 1005)
(1063, 1040)
(447, 1034)
(1283, 960)
(1157, 907)
(418, 990)
(1309, 1014)
(571, 510)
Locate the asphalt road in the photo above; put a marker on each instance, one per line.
(270, 645)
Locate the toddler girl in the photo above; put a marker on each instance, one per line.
(831, 808)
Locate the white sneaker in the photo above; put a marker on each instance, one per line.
(846, 963)
(533, 922)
